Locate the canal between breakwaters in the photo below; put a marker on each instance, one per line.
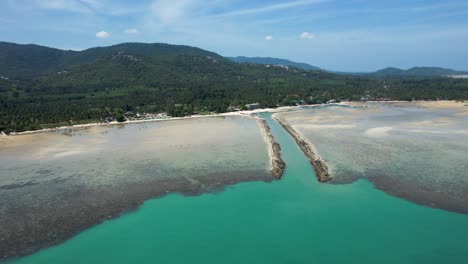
(293, 220)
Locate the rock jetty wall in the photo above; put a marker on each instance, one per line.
(277, 164)
(320, 167)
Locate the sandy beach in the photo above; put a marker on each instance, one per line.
(247, 113)
(55, 185)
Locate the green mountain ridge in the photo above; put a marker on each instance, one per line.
(386, 72)
(417, 72)
(45, 87)
(274, 61)
(23, 61)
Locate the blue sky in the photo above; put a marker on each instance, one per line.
(352, 35)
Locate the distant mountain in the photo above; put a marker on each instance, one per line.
(274, 61)
(42, 87)
(22, 61)
(416, 72)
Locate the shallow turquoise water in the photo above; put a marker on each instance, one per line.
(295, 220)
(407, 150)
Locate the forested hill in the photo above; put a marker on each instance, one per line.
(389, 72)
(42, 87)
(24, 61)
(274, 61)
(417, 72)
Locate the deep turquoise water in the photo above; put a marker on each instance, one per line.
(295, 220)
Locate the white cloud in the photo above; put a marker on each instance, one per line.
(65, 5)
(91, 2)
(171, 11)
(102, 34)
(269, 37)
(131, 31)
(273, 7)
(108, 7)
(307, 35)
(115, 8)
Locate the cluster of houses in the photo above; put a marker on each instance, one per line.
(295, 102)
(380, 99)
(252, 106)
(129, 115)
(123, 55)
(459, 76)
(145, 116)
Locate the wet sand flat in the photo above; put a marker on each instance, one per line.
(55, 184)
(417, 151)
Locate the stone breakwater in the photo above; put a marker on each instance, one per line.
(320, 167)
(277, 164)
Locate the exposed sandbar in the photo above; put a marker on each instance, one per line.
(54, 185)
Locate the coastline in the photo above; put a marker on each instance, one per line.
(113, 123)
(319, 165)
(47, 200)
(246, 113)
(277, 165)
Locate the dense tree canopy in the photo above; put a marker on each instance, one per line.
(179, 80)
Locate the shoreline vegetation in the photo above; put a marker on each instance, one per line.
(143, 192)
(319, 165)
(246, 113)
(47, 87)
(277, 164)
